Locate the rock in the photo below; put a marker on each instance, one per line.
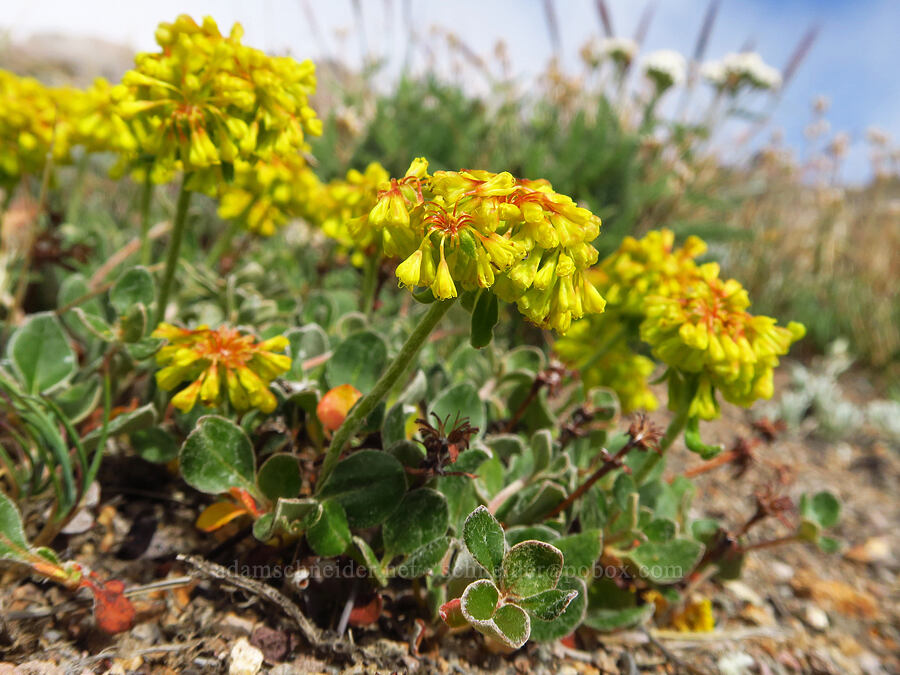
(744, 593)
(815, 618)
(245, 659)
(874, 549)
(736, 663)
(782, 571)
(869, 664)
(567, 670)
(235, 626)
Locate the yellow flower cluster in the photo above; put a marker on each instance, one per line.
(264, 195)
(528, 244)
(706, 332)
(647, 266)
(97, 119)
(206, 100)
(692, 320)
(219, 362)
(603, 348)
(599, 349)
(35, 122)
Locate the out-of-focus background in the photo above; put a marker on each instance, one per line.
(770, 131)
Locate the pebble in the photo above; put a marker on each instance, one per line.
(233, 625)
(815, 618)
(245, 658)
(782, 571)
(736, 663)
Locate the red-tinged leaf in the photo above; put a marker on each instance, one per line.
(569, 641)
(451, 613)
(113, 612)
(363, 615)
(334, 406)
(246, 500)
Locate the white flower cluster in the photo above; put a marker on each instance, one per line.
(621, 50)
(666, 68)
(738, 69)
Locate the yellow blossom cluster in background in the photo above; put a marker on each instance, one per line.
(690, 319)
(206, 101)
(477, 229)
(35, 124)
(219, 363)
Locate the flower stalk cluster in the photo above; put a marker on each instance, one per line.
(475, 229)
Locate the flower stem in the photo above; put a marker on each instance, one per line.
(146, 198)
(369, 284)
(388, 378)
(676, 426)
(181, 209)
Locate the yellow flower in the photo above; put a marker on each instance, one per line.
(599, 349)
(206, 100)
(707, 334)
(477, 229)
(219, 362)
(35, 120)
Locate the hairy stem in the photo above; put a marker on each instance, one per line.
(181, 209)
(388, 378)
(146, 199)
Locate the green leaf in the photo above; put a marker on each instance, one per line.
(484, 539)
(134, 287)
(479, 601)
(358, 360)
(144, 348)
(695, 444)
(533, 503)
(665, 562)
(608, 620)
(279, 476)
(41, 356)
(79, 400)
(291, 516)
(133, 324)
(829, 545)
(369, 485)
(520, 533)
(421, 517)
(393, 430)
(154, 445)
(660, 529)
(306, 343)
(371, 561)
(513, 625)
(13, 545)
(485, 316)
(126, 423)
(566, 623)
(547, 605)
(541, 450)
(531, 567)
(524, 359)
(580, 552)
(460, 402)
(421, 561)
(330, 535)
(217, 456)
(823, 508)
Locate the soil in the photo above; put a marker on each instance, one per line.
(794, 610)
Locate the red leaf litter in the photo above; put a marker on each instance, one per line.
(113, 612)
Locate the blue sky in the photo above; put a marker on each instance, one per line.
(854, 61)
